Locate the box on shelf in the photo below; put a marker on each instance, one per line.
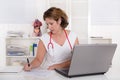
(101, 40)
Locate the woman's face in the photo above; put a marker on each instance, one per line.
(52, 25)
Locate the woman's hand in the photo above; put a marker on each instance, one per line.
(53, 67)
(27, 68)
(65, 64)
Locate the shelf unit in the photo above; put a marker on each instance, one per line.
(18, 49)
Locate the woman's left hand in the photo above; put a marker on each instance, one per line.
(53, 67)
(61, 65)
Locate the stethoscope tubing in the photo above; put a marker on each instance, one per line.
(50, 42)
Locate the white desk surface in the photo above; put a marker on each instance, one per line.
(112, 74)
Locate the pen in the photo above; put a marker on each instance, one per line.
(28, 62)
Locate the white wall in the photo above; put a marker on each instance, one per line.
(105, 12)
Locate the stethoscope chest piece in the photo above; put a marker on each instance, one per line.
(51, 47)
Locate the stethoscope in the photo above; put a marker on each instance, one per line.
(51, 44)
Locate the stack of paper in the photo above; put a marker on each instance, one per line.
(14, 34)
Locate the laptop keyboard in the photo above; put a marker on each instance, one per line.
(65, 71)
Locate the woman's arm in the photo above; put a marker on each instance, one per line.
(65, 64)
(41, 51)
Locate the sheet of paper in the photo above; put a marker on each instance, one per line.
(37, 72)
(11, 69)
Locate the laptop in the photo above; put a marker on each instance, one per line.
(89, 59)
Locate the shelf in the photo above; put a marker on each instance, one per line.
(16, 45)
(17, 61)
(17, 38)
(101, 40)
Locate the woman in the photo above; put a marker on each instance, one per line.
(54, 48)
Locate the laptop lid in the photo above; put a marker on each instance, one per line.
(91, 59)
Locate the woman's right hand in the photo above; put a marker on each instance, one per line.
(27, 68)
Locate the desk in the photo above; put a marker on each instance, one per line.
(112, 74)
